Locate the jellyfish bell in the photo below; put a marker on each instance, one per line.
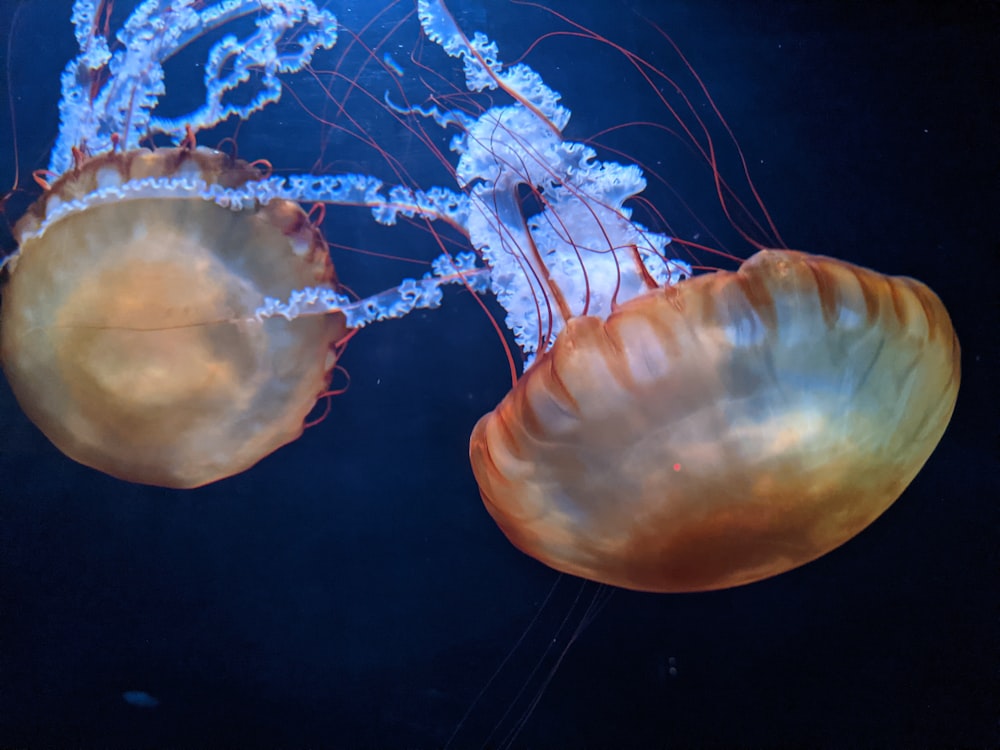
(723, 430)
(127, 331)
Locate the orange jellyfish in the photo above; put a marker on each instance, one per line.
(682, 434)
(723, 430)
(138, 328)
(127, 331)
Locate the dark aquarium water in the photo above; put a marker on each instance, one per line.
(350, 590)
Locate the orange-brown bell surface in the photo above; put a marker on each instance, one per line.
(127, 329)
(724, 430)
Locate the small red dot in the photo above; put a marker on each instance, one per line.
(677, 467)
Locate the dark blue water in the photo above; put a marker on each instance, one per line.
(351, 592)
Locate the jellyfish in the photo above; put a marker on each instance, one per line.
(671, 431)
(134, 350)
(127, 333)
(675, 432)
(129, 330)
(724, 430)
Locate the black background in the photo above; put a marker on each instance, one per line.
(350, 590)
